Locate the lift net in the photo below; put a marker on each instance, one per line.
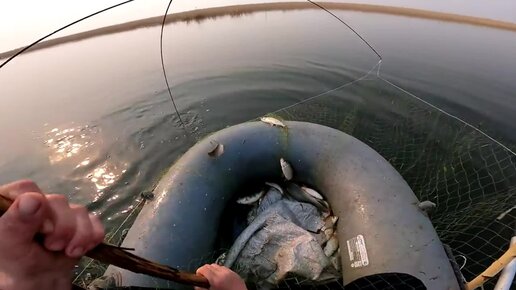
(467, 174)
(471, 178)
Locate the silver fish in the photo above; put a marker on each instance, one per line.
(329, 222)
(105, 282)
(269, 199)
(336, 261)
(312, 192)
(326, 205)
(275, 186)
(251, 198)
(503, 214)
(218, 149)
(124, 234)
(272, 121)
(329, 226)
(331, 246)
(287, 170)
(295, 192)
(221, 259)
(328, 233)
(427, 206)
(272, 196)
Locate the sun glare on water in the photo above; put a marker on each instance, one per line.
(75, 145)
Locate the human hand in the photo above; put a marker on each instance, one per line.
(69, 231)
(221, 278)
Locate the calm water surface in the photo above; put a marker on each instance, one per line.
(93, 119)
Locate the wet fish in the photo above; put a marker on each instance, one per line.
(329, 222)
(503, 214)
(287, 170)
(295, 192)
(312, 192)
(329, 227)
(105, 282)
(328, 233)
(273, 121)
(331, 246)
(326, 205)
(217, 150)
(269, 198)
(272, 196)
(336, 261)
(251, 198)
(275, 186)
(221, 259)
(427, 206)
(124, 234)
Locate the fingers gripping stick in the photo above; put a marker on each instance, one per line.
(119, 257)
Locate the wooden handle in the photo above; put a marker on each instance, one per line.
(494, 269)
(116, 256)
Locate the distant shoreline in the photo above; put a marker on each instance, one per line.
(237, 10)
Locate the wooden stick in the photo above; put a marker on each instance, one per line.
(494, 269)
(116, 256)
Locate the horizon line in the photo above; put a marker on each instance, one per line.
(200, 15)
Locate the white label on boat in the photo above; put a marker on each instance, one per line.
(357, 252)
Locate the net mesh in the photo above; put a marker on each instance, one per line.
(471, 178)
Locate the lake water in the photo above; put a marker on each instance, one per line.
(93, 118)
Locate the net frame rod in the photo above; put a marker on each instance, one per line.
(507, 275)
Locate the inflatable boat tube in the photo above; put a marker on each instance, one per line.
(381, 229)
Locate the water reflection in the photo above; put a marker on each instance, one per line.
(105, 175)
(85, 162)
(78, 147)
(69, 142)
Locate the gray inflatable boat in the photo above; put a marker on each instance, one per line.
(382, 232)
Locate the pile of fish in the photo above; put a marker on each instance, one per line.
(291, 232)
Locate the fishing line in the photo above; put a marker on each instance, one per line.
(348, 26)
(136, 207)
(464, 261)
(447, 114)
(60, 29)
(378, 74)
(377, 65)
(165, 71)
(97, 13)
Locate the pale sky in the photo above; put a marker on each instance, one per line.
(23, 21)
